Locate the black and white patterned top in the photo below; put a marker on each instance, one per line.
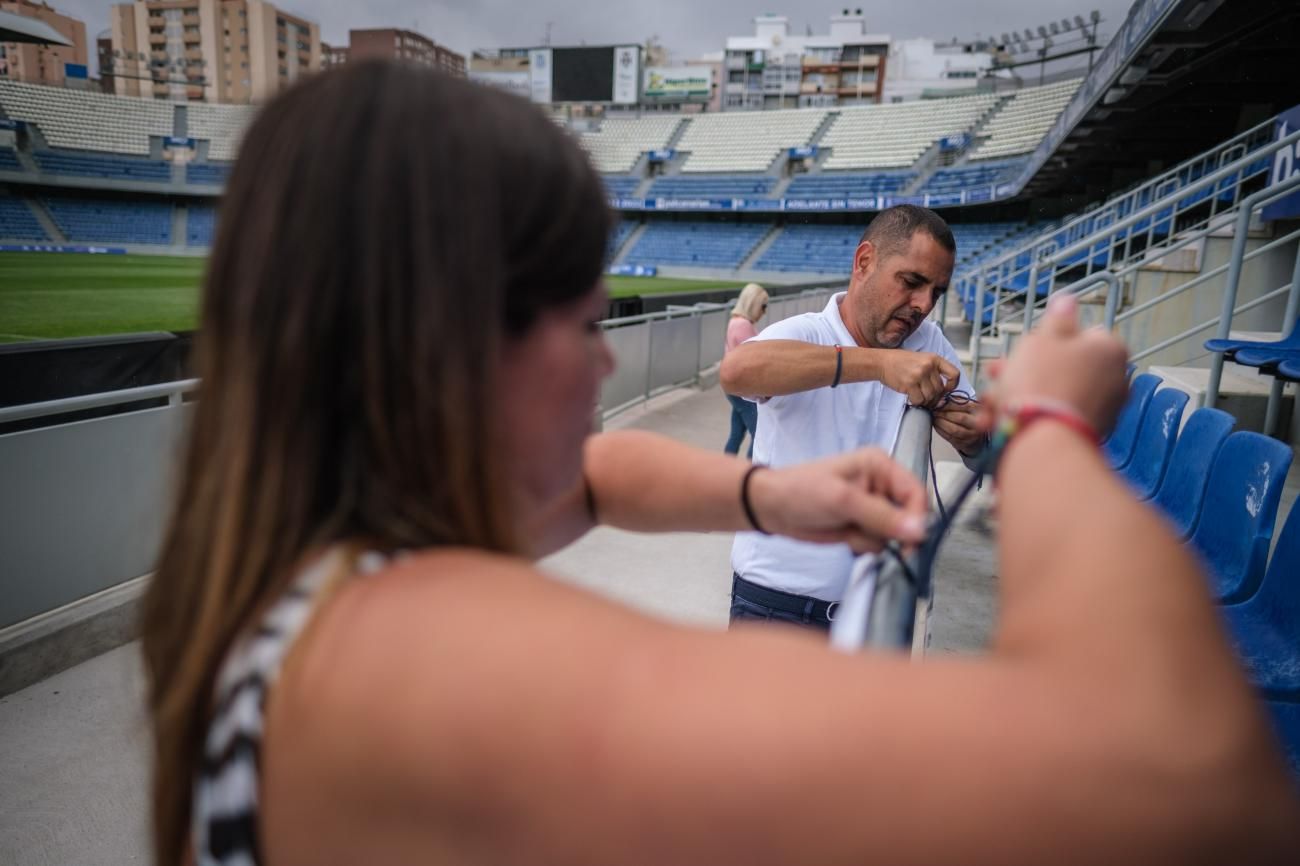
(225, 822)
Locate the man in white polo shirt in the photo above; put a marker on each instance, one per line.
(839, 379)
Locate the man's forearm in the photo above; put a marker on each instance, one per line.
(772, 368)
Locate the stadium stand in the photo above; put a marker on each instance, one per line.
(221, 125)
(207, 173)
(619, 142)
(712, 245)
(842, 184)
(103, 166)
(823, 249)
(746, 140)
(17, 222)
(895, 136)
(85, 120)
(828, 249)
(620, 236)
(620, 185)
(1024, 119)
(200, 225)
(9, 160)
(112, 221)
(958, 178)
(723, 186)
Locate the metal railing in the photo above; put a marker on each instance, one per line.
(1019, 282)
(657, 352)
(1126, 229)
(881, 608)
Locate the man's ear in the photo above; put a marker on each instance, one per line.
(864, 257)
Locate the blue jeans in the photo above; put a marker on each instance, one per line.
(744, 416)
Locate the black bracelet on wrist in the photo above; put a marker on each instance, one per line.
(744, 498)
(839, 365)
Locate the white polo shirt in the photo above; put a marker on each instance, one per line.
(799, 427)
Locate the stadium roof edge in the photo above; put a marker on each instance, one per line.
(16, 28)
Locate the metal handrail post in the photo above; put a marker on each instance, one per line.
(977, 323)
(1288, 321)
(1240, 229)
(882, 613)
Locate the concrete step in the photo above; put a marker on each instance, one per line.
(1243, 393)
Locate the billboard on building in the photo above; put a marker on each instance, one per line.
(627, 74)
(678, 83)
(541, 77)
(518, 82)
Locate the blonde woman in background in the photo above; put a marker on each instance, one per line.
(750, 307)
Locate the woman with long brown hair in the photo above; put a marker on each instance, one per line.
(352, 660)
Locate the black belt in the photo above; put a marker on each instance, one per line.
(814, 609)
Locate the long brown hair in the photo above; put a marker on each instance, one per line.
(384, 230)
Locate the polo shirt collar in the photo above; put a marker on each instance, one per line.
(832, 314)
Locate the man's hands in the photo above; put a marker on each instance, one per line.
(862, 498)
(962, 424)
(922, 376)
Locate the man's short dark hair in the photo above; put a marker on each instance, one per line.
(892, 229)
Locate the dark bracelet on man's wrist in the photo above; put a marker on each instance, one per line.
(839, 365)
(744, 498)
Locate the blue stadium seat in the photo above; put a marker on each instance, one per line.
(1286, 724)
(1155, 441)
(207, 173)
(1229, 347)
(823, 249)
(111, 220)
(620, 185)
(200, 225)
(1266, 627)
(847, 184)
(1288, 370)
(696, 244)
(103, 165)
(1236, 525)
(1118, 448)
(17, 222)
(618, 237)
(9, 160)
(712, 186)
(972, 175)
(1265, 359)
(1182, 492)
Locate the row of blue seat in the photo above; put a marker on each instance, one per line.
(112, 221)
(714, 245)
(971, 176)
(208, 173)
(104, 166)
(711, 186)
(17, 222)
(1221, 491)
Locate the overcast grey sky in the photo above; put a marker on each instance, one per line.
(687, 28)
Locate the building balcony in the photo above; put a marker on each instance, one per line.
(190, 20)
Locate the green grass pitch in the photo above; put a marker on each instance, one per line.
(51, 295)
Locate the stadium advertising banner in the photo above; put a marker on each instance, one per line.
(1286, 164)
(802, 205)
(539, 74)
(627, 74)
(678, 83)
(519, 83)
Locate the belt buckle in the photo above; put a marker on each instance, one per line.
(830, 611)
